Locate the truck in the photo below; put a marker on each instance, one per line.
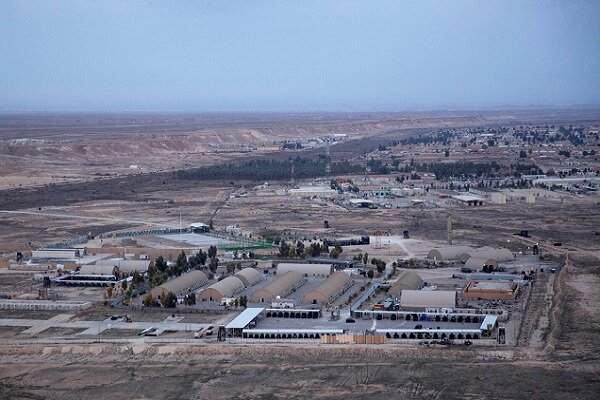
(283, 303)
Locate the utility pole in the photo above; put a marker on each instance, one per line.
(449, 229)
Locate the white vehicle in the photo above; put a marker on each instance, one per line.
(148, 331)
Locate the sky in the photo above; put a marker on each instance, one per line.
(231, 56)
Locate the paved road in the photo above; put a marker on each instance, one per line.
(36, 326)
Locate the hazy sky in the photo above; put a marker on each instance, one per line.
(296, 55)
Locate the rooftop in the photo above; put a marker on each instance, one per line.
(244, 319)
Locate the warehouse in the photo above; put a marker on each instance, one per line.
(282, 286)
(408, 280)
(478, 263)
(109, 267)
(249, 276)
(422, 299)
(329, 290)
(313, 191)
(185, 283)
(228, 287)
(491, 253)
(318, 270)
(56, 254)
(492, 290)
(450, 253)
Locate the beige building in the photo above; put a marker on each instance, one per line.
(187, 282)
(281, 286)
(408, 280)
(492, 290)
(227, 287)
(329, 290)
(318, 270)
(422, 299)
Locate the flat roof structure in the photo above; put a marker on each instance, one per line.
(494, 277)
(244, 318)
(489, 320)
(420, 299)
(469, 199)
(493, 290)
(319, 191)
(86, 280)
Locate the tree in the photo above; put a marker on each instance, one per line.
(284, 249)
(365, 258)
(299, 248)
(214, 264)
(189, 299)
(334, 254)
(447, 153)
(522, 154)
(161, 264)
(109, 292)
(243, 301)
(212, 252)
(314, 250)
(168, 300)
(230, 268)
(124, 285)
(137, 278)
(181, 264)
(152, 270)
(148, 300)
(202, 256)
(370, 274)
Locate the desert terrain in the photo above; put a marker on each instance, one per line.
(66, 176)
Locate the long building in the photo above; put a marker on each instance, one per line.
(422, 299)
(305, 269)
(109, 267)
(408, 280)
(185, 283)
(329, 289)
(463, 253)
(281, 286)
(249, 276)
(450, 253)
(228, 287)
